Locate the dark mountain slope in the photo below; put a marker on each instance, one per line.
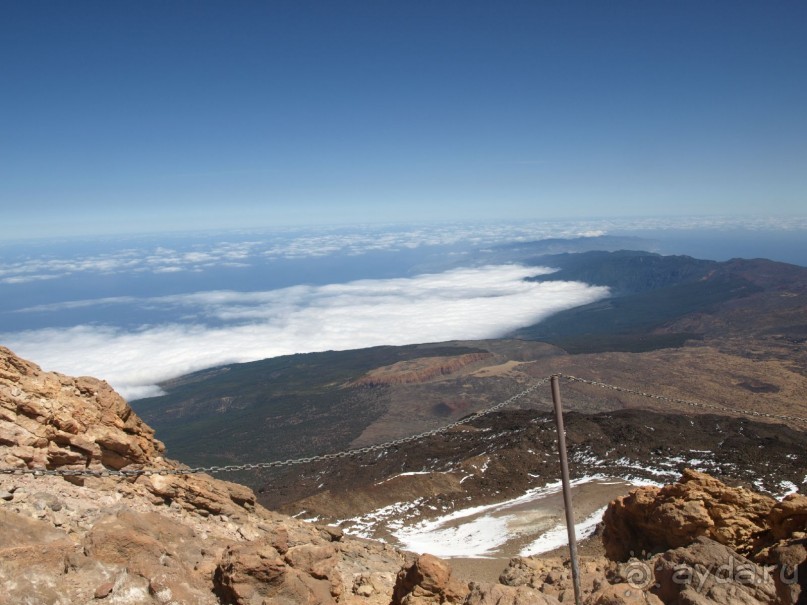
(663, 301)
(626, 271)
(502, 455)
(294, 405)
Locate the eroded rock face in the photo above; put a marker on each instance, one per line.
(789, 517)
(154, 539)
(652, 519)
(622, 594)
(428, 581)
(498, 594)
(709, 572)
(49, 420)
(301, 563)
(552, 575)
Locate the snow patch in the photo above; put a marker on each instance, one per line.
(558, 536)
(477, 538)
(787, 487)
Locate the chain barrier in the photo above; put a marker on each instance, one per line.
(712, 406)
(387, 445)
(277, 463)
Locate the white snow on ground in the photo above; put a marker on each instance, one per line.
(409, 474)
(477, 531)
(478, 537)
(393, 515)
(642, 482)
(558, 536)
(788, 487)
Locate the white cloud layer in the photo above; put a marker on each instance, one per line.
(473, 303)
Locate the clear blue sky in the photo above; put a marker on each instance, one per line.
(133, 116)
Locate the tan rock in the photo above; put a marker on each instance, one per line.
(68, 420)
(788, 516)
(428, 580)
(706, 572)
(104, 590)
(498, 594)
(622, 594)
(255, 573)
(317, 561)
(552, 575)
(788, 559)
(652, 519)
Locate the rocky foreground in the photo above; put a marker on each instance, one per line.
(195, 539)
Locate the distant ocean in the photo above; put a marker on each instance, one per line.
(787, 246)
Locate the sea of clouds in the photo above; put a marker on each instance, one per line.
(230, 326)
(142, 309)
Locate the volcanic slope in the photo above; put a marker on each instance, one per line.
(503, 454)
(663, 301)
(742, 350)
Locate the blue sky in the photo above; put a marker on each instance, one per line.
(141, 116)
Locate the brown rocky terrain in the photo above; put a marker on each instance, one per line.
(418, 370)
(155, 536)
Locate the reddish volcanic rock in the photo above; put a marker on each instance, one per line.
(419, 370)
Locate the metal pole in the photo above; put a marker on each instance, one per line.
(567, 491)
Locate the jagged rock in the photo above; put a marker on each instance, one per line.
(51, 420)
(498, 594)
(256, 572)
(622, 594)
(552, 575)
(707, 572)
(652, 519)
(428, 581)
(788, 516)
(788, 559)
(152, 540)
(104, 590)
(201, 494)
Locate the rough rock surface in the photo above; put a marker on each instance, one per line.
(651, 519)
(789, 516)
(709, 572)
(156, 539)
(602, 582)
(788, 555)
(428, 581)
(789, 561)
(498, 594)
(552, 575)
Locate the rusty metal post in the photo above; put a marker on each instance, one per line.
(567, 491)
